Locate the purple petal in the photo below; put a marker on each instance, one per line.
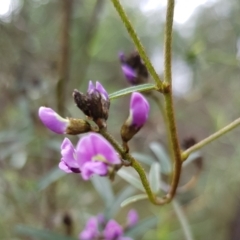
(52, 120)
(91, 87)
(85, 150)
(69, 154)
(124, 238)
(91, 168)
(139, 109)
(102, 90)
(91, 230)
(132, 218)
(129, 73)
(112, 230)
(62, 165)
(104, 148)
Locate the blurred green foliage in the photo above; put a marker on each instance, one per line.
(206, 52)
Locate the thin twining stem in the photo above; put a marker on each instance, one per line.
(137, 43)
(211, 138)
(170, 116)
(137, 166)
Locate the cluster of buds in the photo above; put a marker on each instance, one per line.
(94, 104)
(99, 228)
(133, 68)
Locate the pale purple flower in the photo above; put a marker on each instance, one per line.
(139, 110)
(132, 218)
(129, 73)
(112, 230)
(93, 155)
(52, 120)
(91, 230)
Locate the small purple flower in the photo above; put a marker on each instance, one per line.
(52, 120)
(93, 155)
(139, 110)
(129, 73)
(132, 218)
(112, 230)
(91, 230)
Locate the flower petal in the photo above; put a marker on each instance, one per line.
(91, 87)
(102, 90)
(91, 168)
(104, 148)
(91, 230)
(52, 120)
(68, 154)
(129, 73)
(62, 165)
(132, 218)
(139, 109)
(112, 230)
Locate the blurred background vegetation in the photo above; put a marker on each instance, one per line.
(50, 47)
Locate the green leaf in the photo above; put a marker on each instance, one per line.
(104, 189)
(42, 234)
(192, 157)
(139, 88)
(131, 179)
(133, 199)
(51, 177)
(154, 177)
(162, 157)
(125, 193)
(142, 227)
(143, 158)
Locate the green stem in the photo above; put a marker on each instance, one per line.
(211, 138)
(174, 145)
(137, 166)
(168, 43)
(137, 43)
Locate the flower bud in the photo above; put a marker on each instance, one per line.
(138, 115)
(52, 120)
(94, 104)
(133, 68)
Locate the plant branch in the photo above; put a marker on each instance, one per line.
(137, 166)
(174, 144)
(137, 43)
(211, 138)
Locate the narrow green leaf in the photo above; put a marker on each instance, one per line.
(139, 88)
(162, 157)
(131, 179)
(51, 177)
(143, 158)
(142, 227)
(183, 220)
(192, 157)
(104, 189)
(133, 199)
(154, 177)
(41, 234)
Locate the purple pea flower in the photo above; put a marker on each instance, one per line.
(93, 155)
(52, 120)
(132, 218)
(91, 230)
(139, 109)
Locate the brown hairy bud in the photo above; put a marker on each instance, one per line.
(78, 126)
